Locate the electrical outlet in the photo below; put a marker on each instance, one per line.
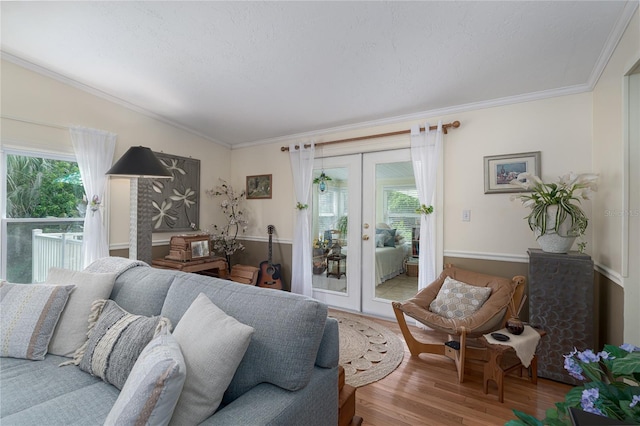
(466, 215)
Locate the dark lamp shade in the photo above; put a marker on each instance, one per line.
(141, 162)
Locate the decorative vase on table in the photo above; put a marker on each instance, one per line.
(555, 217)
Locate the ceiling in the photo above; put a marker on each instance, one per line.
(242, 73)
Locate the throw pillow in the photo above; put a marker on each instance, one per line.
(30, 312)
(153, 387)
(390, 236)
(116, 339)
(213, 344)
(380, 240)
(72, 328)
(458, 300)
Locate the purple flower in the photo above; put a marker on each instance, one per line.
(573, 367)
(605, 355)
(588, 400)
(629, 347)
(588, 356)
(634, 401)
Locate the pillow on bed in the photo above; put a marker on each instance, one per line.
(383, 225)
(380, 238)
(390, 236)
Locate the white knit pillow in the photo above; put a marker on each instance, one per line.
(459, 300)
(213, 344)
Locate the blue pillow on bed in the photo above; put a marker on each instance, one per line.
(389, 237)
(380, 238)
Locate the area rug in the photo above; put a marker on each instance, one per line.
(368, 350)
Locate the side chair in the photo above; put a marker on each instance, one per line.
(491, 316)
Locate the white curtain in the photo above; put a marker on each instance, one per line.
(94, 152)
(302, 171)
(425, 151)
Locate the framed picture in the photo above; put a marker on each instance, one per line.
(500, 170)
(175, 202)
(259, 187)
(200, 249)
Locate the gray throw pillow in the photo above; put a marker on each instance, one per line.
(153, 387)
(71, 331)
(30, 312)
(459, 300)
(116, 339)
(213, 344)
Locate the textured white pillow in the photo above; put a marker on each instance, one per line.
(459, 300)
(213, 344)
(71, 331)
(153, 387)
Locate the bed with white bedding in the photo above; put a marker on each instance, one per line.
(390, 261)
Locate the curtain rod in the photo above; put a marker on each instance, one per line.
(445, 128)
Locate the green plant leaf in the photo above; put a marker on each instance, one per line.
(627, 365)
(525, 419)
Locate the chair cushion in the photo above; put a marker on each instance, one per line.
(459, 300)
(488, 318)
(72, 328)
(30, 313)
(151, 391)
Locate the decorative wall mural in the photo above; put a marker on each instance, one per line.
(175, 202)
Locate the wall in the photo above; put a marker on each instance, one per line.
(609, 159)
(36, 98)
(558, 127)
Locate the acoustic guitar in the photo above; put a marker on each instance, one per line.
(269, 275)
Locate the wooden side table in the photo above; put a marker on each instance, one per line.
(206, 266)
(502, 360)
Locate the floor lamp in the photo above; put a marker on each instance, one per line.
(140, 163)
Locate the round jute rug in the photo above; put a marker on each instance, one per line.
(368, 350)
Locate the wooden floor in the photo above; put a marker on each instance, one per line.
(424, 391)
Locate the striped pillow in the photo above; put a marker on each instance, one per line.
(152, 390)
(116, 339)
(30, 313)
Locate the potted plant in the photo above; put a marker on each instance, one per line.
(224, 238)
(555, 216)
(611, 387)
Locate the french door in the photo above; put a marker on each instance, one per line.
(364, 231)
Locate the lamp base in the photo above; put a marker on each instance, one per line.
(140, 229)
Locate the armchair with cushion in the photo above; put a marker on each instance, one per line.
(459, 322)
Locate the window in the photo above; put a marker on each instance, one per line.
(43, 213)
(400, 204)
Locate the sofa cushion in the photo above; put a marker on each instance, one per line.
(30, 313)
(459, 300)
(213, 344)
(116, 339)
(153, 387)
(288, 329)
(42, 393)
(72, 328)
(141, 290)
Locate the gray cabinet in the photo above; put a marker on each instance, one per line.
(562, 302)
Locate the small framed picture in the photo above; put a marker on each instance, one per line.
(259, 187)
(200, 249)
(500, 170)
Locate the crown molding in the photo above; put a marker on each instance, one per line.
(31, 66)
(612, 42)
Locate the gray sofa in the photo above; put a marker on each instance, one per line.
(288, 376)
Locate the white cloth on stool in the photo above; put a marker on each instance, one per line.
(524, 344)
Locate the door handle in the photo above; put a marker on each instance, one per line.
(365, 237)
